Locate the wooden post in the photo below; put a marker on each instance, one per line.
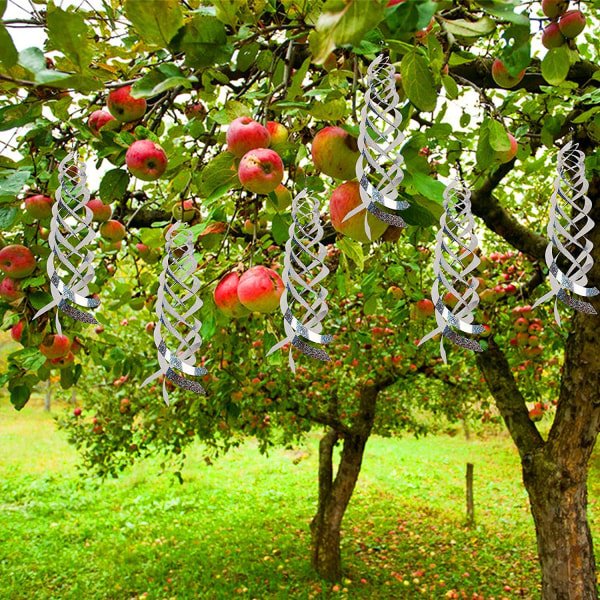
(470, 502)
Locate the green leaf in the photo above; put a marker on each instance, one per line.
(408, 17)
(333, 110)
(217, 173)
(342, 22)
(297, 81)
(17, 115)
(66, 378)
(429, 187)
(418, 83)
(555, 65)
(471, 29)
(280, 229)
(432, 206)
(498, 136)
(352, 250)
(159, 80)
(19, 395)
(113, 185)
(235, 109)
(156, 24)
(10, 186)
(516, 54)
(8, 53)
(505, 10)
(450, 87)
(69, 33)
(247, 56)
(417, 215)
(204, 42)
(8, 217)
(33, 60)
(370, 306)
(485, 153)
(39, 299)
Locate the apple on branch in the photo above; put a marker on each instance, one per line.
(98, 119)
(39, 206)
(101, 212)
(124, 107)
(259, 289)
(17, 261)
(335, 152)
(226, 297)
(146, 160)
(245, 134)
(345, 198)
(260, 170)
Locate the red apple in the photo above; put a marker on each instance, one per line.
(54, 345)
(17, 261)
(187, 214)
(507, 155)
(39, 206)
(536, 414)
(572, 23)
(502, 77)
(345, 198)
(394, 2)
(522, 338)
(260, 170)
(146, 160)
(259, 289)
(552, 37)
(10, 289)
(101, 212)
(16, 331)
(124, 107)
(226, 297)
(335, 152)
(149, 328)
(422, 309)
(533, 340)
(142, 250)
(521, 324)
(450, 300)
(554, 8)
(77, 411)
(245, 134)
(195, 110)
(98, 119)
(62, 362)
(278, 132)
(113, 231)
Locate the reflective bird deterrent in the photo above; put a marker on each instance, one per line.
(70, 264)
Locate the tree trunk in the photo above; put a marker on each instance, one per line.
(558, 497)
(333, 501)
(48, 397)
(334, 495)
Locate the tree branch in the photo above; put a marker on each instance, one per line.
(479, 73)
(510, 402)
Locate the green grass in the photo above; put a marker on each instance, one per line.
(239, 529)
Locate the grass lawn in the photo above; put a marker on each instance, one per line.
(240, 529)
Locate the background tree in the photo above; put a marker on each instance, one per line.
(474, 95)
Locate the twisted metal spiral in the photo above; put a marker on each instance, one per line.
(70, 235)
(301, 288)
(456, 234)
(379, 145)
(177, 291)
(571, 187)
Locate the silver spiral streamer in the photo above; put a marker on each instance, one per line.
(456, 234)
(177, 304)
(70, 236)
(304, 253)
(379, 166)
(570, 221)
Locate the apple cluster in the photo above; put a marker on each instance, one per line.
(528, 331)
(565, 24)
(257, 290)
(145, 159)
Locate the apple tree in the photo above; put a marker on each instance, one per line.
(217, 113)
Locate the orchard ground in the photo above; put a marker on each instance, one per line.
(240, 528)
